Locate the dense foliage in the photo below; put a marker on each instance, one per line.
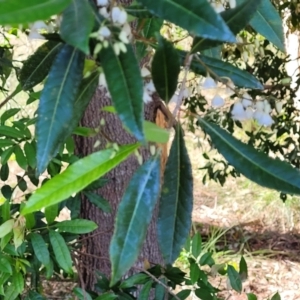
(221, 64)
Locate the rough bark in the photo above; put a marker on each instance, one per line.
(95, 251)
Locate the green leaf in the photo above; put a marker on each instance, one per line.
(51, 212)
(133, 280)
(10, 132)
(6, 227)
(6, 143)
(133, 217)
(30, 152)
(40, 248)
(251, 296)
(76, 177)
(6, 154)
(61, 251)
(138, 11)
(198, 17)
(176, 202)
(156, 134)
(78, 226)
(98, 201)
(206, 259)
(108, 296)
(268, 23)
(239, 77)
(150, 30)
(243, 269)
(204, 294)
(165, 69)
(55, 111)
(194, 272)
(182, 294)
(77, 24)
(125, 85)
(257, 166)
(20, 157)
(234, 279)
(82, 294)
(5, 265)
(8, 114)
(276, 297)
(145, 290)
(236, 19)
(196, 245)
(37, 66)
(15, 288)
(4, 172)
(16, 12)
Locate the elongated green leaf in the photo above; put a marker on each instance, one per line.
(133, 217)
(55, 111)
(257, 166)
(30, 152)
(6, 228)
(40, 248)
(176, 202)
(243, 269)
(198, 17)
(239, 77)
(16, 12)
(37, 66)
(125, 85)
(76, 226)
(165, 69)
(61, 251)
(234, 278)
(98, 201)
(145, 290)
(77, 24)
(276, 297)
(135, 279)
(196, 245)
(8, 114)
(20, 157)
(154, 133)
(10, 132)
(5, 265)
(51, 213)
(17, 286)
(236, 19)
(268, 23)
(76, 177)
(251, 296)
(82, 294)
(6, 142)
(4, 172)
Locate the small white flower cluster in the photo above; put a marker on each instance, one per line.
(219, 6)
(149, 88)
(117, 17)
(36, 28)
(216, 93)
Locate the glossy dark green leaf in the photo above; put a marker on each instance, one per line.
(4, 172)
(51, 212)
(160, 291)
(55, 111)
(61, 251)
(276, 297)
(108, 296)
(7, 191)
(125, 85)
(10, 132)
(268, 23)
(145, 290)
(214, 52)
(6, 142)
(236, 19)
(234, 279)
(16, 12)
(37, 66)
(184, 294)
(16, 287)
(196, 245)
(30, 153)
(204, 294)
(76, 177)
(206, 259)
(22, 184)
(243, 269)
(40, 248)
(240, 78)
(257, 166)
(20, 157)
(133, 217)
(165, 69)
(133, 280)
(8, 114)
(82, 294)
(198, 17)
(194, 272)
(176, 202)
(251, 296)
(5, 265)
(98, 201)
(6, 154)
(78, 226)
(77, 24)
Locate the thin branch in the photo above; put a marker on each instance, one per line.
(9, 97)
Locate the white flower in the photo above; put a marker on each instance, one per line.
(247, 100)
(146, 97)
(145, 72)
(127, 29)
(232, 3)
(259, 105)
(238, 112)
(267, 107)
(39, 25)
(149, 86)
(102, 2)
(209, 83)
(34, 35)
(118, 15)
(249, 113)
(217, 101)
(35, 28)
(103, 12)
(123, 37)
(104, 32)
(264, 119)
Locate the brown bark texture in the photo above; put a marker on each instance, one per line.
(95, 249)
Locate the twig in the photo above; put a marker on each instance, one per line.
(80, 277)
(15, 92)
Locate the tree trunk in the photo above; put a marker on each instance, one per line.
(95, 251)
